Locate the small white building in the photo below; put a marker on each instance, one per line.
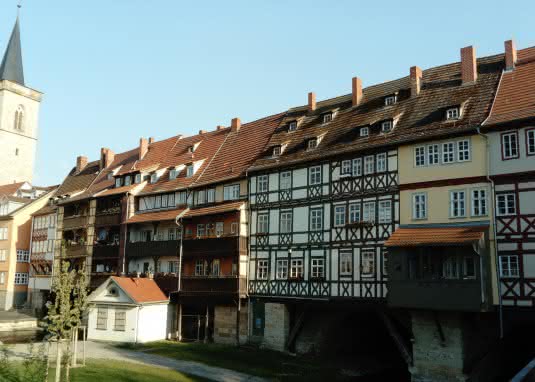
(125, 309)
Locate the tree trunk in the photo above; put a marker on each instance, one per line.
(47, 360)
(58, 362)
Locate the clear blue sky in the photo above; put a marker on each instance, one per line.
(115, 70)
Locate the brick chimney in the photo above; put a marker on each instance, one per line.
(151, 140)
(510, 54)
(357, 91)
(143, 147)
(106, 157)
(311, 101)
(416, 80)
(220, 127)
(81, 162)
(468, 65)
(235, 124)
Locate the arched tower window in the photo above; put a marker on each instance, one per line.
(19, 118)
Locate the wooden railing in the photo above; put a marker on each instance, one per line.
(107, 219)
(75, 250)
(106, 251)
(152, 248)
(77, 221)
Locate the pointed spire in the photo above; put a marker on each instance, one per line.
(11, 67)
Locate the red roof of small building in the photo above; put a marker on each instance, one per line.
(435, 236)
(141, 290)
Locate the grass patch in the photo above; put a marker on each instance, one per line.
(262, 363)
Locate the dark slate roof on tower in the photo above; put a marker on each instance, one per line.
(11, 67)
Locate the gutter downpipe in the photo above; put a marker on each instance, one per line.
(249, 306)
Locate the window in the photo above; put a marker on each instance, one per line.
(339, 216)
(21, 278)
(233, 228)
(262, 183)
(171, 234)
(346, 263)
(296, 269)
(282, 269)
(19, 118)
(381, 162)
(118, 182)
(199, 268)
(102, 317)
(368, 212)
(219, 229)
(200, 230)
(2, 277)
(231, 192)
(23, 256)
(457, 204)
(509, 266)
(368, 165)
(3, 233)
(505, 204)
(479, 202)
(450, 268)
(448, 152)
(262, 271)
(469, 268)
(419, 206)
(189, 171)
(346, 167)
(364, 131)
(354, 213)
(312, 143)
(292, 126)
(200, 197)
(137, 178)
(452, 113)
(357, 167)
(463, 150)
(277, 151)
(181, 197)
(327, 117)
(210, 193)
(390, 100)
(386, 126)
(286, 221)
(419, 156)
(316, 219)
(3, 253)
(385, 211)
(263, 223)
(173, 173)
(530, 142)
(119, 323)
(318, 269)
(314, 175)
(510, 145)
(286, 180)
(153, 177)
(216, 267)
(368, 262)
(433, 155)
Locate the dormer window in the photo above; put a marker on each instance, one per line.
(110, 176)
(189, 171)
(173, 173)
(137, 178)
(127, 180)
(118, 182)
(327, 117)
(386, 126)
(453, 113)
(364, 131)
(292, 126)
(390, 100)
(277, 150)
(193, 147)
(153, 177)
(312, 143)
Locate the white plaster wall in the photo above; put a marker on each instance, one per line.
(129, 335)
(522, 164)
(152, 324)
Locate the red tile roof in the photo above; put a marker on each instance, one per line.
(435, 236)
(10, 189)
(216, 209)
(141, 290)
(155, 216)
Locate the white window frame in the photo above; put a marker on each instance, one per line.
(345, 168)
(530, 141)
(312, 143)
(380, 162)
(231, 192)
(314, 175)
(448, 156)
(419, 156)
(503, 200)
(458, 203)
(23, 256)
(286, 180)
(368, 211)
(297, 268)
(356, 168)
(479, 202)
(385, 211)
(189, 171)
(317, 268)
(137, 178)
(262, 183)
(387, 126)
(173, 173)
(316, 219)
(367, 260)
(508, 267)
(346, 262)
(354, 213)
(282, 269)
(286, 221)
(219, 229)
(369, 165)
(153, 177)
(364, 132)
(419, 206)
(510, 146)
(118, 182)
(210, 195)
(199, 268)
(262, 223)
(277, 150)
(21, 278)
(327, 117)
(463, 150)
(340, 215)
(433, 154)
(453, 113)
(292, 126)
(390, 100)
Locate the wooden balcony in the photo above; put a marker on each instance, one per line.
(215, 246)
(105, 251)
(74, 222)
(203, 286)
(152, 248)
(106, 219)
(75, 250)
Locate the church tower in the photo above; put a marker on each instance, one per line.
(19, 112)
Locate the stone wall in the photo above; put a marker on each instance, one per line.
(277, 326)
(225, 324)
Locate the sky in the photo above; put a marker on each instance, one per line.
(114, 71)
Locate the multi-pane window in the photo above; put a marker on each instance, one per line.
(510, 145)
(127, 180)
(390, 100)
(457, 204)
(200, 196)
(364, 131)
(173, 173)
(419, 156)
(285, 180)
(314, 175)
(433, 154)
(317, 268)
(354, 212)
(368, 212)
(505, 204)
(509, 266)
(463, 150)
(386, 126)
(189, 171)
(339, 216)
(357, 167)
(21, 278)
(286, 221)
(282, 269)
(327, 117)
(530, 141)
(262, 271)
(346, 262)
(172, 266)
(118, 182)
(277, 151)
(381, 162)
(200, 230)
(262, 183)
(102, 317)
(316, 219)
(263, 223)
(346, 167)
(448, 152)
(199, 268)
(368, 165)
(479, 202)
(210, 195)
(3, 253)
(219, 228)
(296, 268)
(231, 192)
(368, 261)
(137, 178)
(385, 211)
(292, 126)
(452, 113)
(23, 256)
(119, 323)
(419, 206)
(312, 143)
